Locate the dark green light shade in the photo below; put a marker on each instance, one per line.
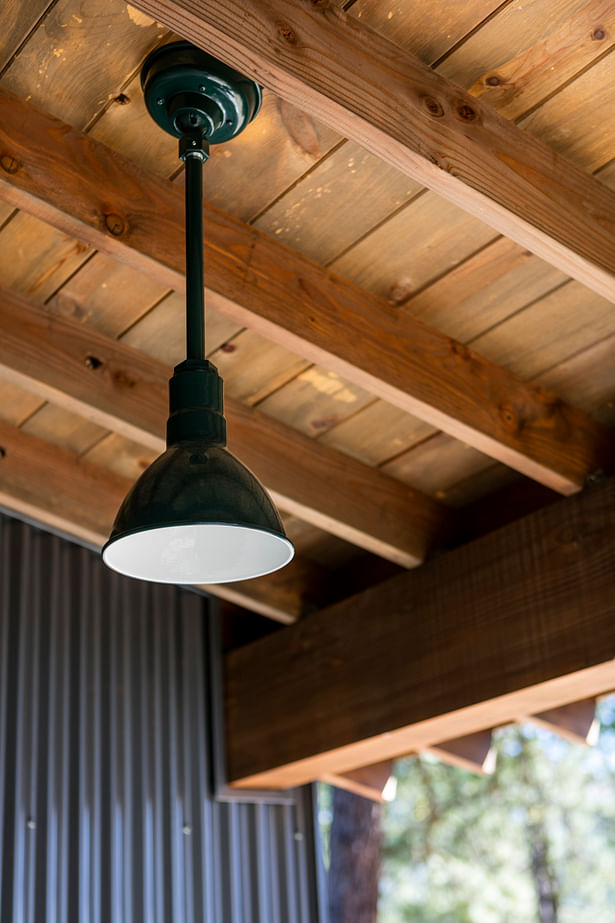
(197, 515)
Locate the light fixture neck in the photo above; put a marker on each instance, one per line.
(196, 404)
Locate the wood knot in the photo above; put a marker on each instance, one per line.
(459, 349)
(2, 452)
(122, 99)
(493, 80)
(228, 348)
(115, 224)
(287, 34)
(509, 418)
(433, 107)
(123, 380)
(570, 538)
(92, 362)
(467, 113)
(598, 34)
(9, 164)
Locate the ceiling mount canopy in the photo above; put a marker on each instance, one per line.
(197, 514)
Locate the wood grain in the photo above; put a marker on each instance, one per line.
(17, 18)
(534, 74)
(448, 140)
(292, 301)
(414, 27)
(484, 290)
(518, 622)
(423, 241)
(80, 56)
(573, 122)
(119, 388)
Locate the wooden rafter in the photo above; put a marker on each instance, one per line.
(80, 186)
(518, 622)
(124, 390)
(342, 72)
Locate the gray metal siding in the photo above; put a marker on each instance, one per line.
(106, 811)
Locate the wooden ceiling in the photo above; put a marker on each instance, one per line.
(384, 350)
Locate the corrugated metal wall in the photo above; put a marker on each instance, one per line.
(106, 811)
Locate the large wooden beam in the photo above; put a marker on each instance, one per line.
(120, 388)
(59, 489)
(516, 623)
(80, 186)
(339, 70)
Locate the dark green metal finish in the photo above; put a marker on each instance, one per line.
(195, 282)
(187, 89)
(195, 483)
(195, 404)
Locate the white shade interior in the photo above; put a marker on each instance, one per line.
(198, 553)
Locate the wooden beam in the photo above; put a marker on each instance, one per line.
(333, 66)
(474, 752)
(576, 722)
(77, 184)
(368, 781)
(121, 388)
(518, 622)
(61, 490)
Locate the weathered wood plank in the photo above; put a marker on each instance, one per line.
(17, 19)
(572, 121)
(449, 141)
(81, 187)
(517, 622)
(415, 28)
(519, 84)
(119, 388)
(60, 65)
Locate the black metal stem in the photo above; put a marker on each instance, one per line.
(195, 300)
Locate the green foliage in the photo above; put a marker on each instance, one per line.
(463, 848)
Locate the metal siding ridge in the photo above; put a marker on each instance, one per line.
(106, 715)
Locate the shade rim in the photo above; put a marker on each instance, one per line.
(126, 533)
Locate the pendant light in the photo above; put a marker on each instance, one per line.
(197, 514)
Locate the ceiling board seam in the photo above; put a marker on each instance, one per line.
(69, 278)
(147, 311)
(350, 416)
(574, 355)
(446, 272)
(8, 219)
(263, 211)
(28, 36)
(414, 446)
(520, 310)
(460, 42)
(122, 86)
(563, 86)
(376, 227)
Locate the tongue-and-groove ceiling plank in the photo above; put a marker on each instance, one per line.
(294, 302)
(448, 140)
